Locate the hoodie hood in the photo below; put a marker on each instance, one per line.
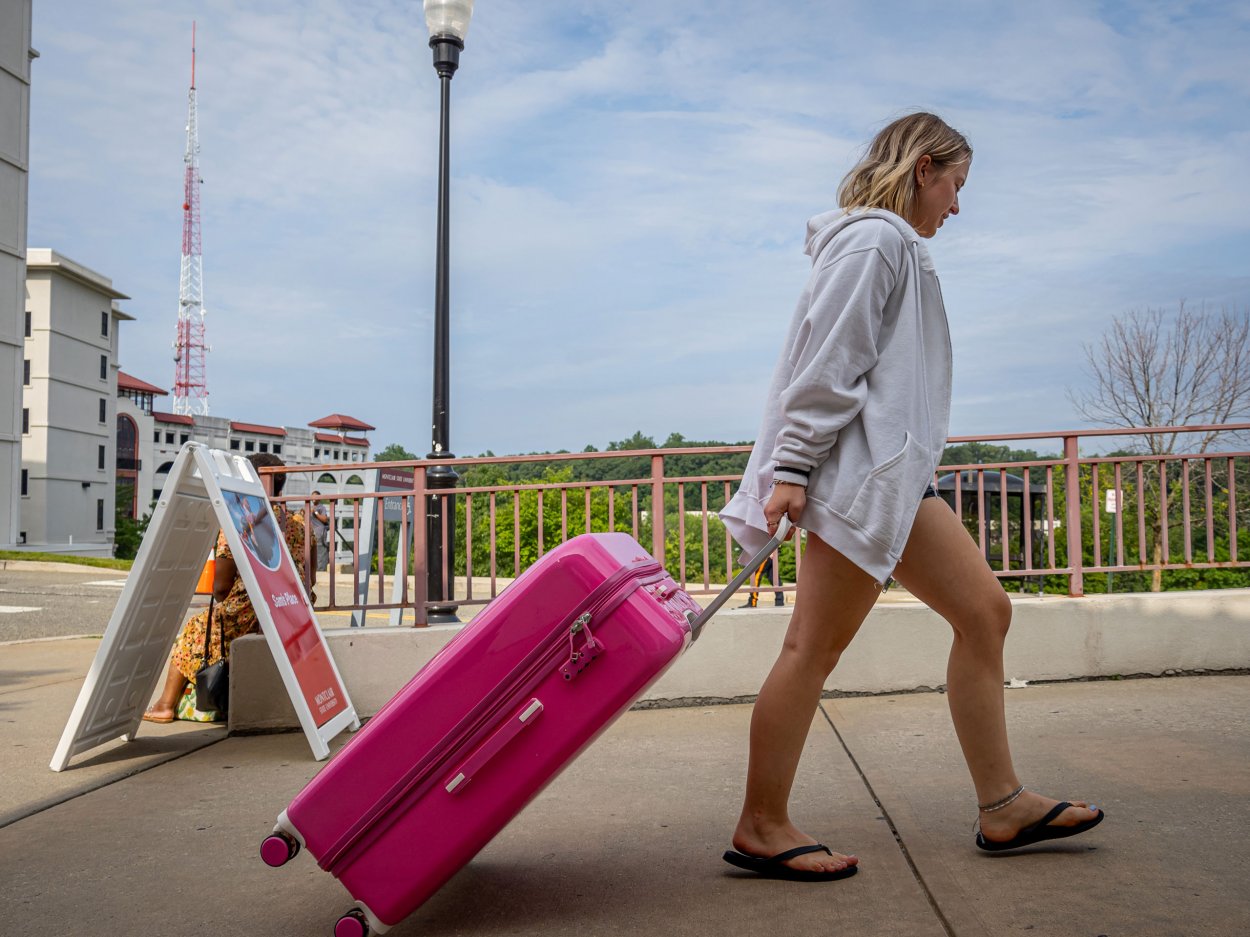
(822, 227)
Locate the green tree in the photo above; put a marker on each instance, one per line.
(128, 532)
(394, 453)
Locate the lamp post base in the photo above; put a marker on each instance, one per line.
(439, 589)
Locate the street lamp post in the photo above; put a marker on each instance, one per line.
(448, 21)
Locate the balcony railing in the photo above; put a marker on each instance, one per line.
(1165, 512)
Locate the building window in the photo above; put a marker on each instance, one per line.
(126, 455)
(25, 372)
(28, 323)
(104, 324)
(99, 514)
(234, 444)
(277, 448)
(25, 420)
(249, 446)
(104, 367)
(169, 439)
(100, 460)
(25, 482)
(156, 437)
(104, 409)
(337, 456)
(264, 447)
(182, 439)
(316, 453)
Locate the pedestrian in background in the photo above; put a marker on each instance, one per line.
(321, 531)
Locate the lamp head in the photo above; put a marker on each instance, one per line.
(448, 19)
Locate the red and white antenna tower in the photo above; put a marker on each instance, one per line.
(190, 372)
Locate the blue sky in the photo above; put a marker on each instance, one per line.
(630, 187)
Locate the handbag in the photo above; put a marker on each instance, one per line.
(212, 681)
(187, 711)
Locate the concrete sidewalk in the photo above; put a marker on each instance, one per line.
(160, 836)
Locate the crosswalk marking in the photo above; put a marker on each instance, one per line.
(18, 609)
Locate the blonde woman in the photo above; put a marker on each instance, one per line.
(854, 427)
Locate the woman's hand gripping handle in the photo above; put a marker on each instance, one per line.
(787, 500)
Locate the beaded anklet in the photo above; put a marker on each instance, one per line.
(1000, 804)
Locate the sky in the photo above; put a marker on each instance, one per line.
(630, 184)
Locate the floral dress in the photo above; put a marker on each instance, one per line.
(233, 616)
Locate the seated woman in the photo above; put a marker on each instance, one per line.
(232, 608)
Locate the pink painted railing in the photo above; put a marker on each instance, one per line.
(1173, 511)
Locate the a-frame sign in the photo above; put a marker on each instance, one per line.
(207, 490)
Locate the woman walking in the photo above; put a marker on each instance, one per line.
(854, 427)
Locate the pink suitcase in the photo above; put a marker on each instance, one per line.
(488, 723)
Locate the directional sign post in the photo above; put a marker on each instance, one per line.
(393, 509)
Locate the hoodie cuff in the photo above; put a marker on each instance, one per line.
(793, 476)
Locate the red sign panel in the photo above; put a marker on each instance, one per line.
(284, 595)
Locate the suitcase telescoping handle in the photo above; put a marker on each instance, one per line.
(748, 568)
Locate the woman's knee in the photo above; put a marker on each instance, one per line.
(816, 649)
(988, 619)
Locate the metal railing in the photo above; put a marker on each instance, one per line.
(1169, 512)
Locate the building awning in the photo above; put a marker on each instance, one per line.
(258, 429)
(342, 440)
(182, 418)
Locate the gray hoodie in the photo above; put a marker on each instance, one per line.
(859, 404)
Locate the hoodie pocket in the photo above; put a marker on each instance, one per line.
(885, 504)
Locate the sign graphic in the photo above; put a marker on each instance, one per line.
(282, 591)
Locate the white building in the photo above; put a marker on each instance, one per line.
(15, 59)
(69, 393)
(148, 440)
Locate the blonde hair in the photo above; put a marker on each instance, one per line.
(885, 177)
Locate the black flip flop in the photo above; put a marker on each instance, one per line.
(774, 866)
(1040, 831)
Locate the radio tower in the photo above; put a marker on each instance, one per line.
(190, 378)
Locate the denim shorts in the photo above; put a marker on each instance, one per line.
(929, 492)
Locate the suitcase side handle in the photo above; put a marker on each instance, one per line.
(492, 746)
(698, 621)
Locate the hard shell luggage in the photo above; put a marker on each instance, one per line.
(489, 722)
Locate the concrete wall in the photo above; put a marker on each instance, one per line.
(15, 56)
(72, 352)
(901, 647)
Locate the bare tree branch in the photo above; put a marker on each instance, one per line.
(1149, 369)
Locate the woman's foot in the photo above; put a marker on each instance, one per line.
(1001, 826)
(158, 713)
(755, 840)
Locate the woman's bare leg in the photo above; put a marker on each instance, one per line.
(943, 567)
(166, 707)
(834, 597)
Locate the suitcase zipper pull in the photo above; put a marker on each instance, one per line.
(580, 658)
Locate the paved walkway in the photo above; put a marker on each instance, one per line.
(160, 836)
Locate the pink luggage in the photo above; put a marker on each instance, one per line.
(488, 723)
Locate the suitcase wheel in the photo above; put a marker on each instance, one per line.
(352, 924)
(278, 849)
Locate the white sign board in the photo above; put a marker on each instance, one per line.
(1113, 500)
(207, 490)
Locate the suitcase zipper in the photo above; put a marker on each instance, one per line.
(468, 733)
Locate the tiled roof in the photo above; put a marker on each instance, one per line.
(340, 421)
(127, 382)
